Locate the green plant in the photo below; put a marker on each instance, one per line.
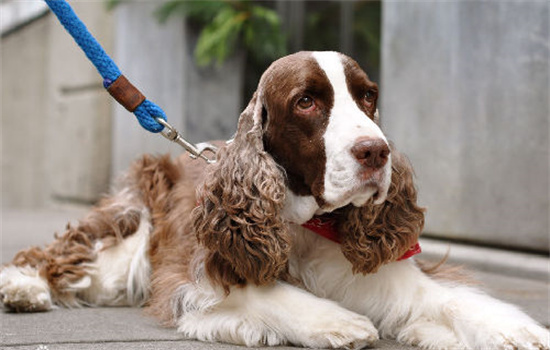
(226, 25)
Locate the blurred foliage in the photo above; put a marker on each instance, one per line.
(366, 36)
(322, 31)
(227, 25)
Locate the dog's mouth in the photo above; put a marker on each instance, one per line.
(373, 187)
(369, 191)
(358, 186)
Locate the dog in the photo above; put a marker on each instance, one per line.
(301, 233)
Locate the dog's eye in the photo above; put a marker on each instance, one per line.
(370, 95)
(369, 98)
(305, 102)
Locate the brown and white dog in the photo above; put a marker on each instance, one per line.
(227, 252)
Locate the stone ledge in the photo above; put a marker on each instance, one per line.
(500, 261)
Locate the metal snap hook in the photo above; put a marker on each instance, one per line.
(195, 151)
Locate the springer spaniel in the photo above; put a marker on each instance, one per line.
(229, 252)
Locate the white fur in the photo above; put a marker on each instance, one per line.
(346, 124)
(299, 209)
(120, 274)
(22, 288)
(272, 315)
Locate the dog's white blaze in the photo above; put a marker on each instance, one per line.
(347, 123)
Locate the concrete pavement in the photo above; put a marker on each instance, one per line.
(518, 278)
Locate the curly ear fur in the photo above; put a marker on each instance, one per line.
(239, 217)
(374, 235)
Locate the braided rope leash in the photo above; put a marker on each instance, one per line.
(150, 116)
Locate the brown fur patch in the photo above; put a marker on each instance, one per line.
(358, 85)
(173, 243)
(290, 135)
(239, 216)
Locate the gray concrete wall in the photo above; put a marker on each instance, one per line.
(55, 114)
(23, 117)
(465, 93)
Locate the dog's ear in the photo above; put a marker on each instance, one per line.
(374, 235)
(238, 219)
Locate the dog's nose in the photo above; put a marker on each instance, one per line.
(371, 153)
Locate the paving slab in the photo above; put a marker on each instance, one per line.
(116, 324)
(140, 345)
(177, 344)
(105, 328)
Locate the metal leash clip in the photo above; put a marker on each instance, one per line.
(195, 151)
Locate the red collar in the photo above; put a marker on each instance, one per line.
(325, 225)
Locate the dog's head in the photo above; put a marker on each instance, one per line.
(320, 125)
(309, 142)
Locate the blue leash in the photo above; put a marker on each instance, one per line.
(150, 116)
(146, 112)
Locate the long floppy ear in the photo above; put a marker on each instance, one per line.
(374, 235)
(239, 216)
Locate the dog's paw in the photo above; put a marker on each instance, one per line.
(497, 325)
(23, 290)
(500, 326)
(528, 336)
(427, 334)
(338, 329)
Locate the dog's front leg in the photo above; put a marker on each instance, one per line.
(416, 309)
(269, 315)
(480, 321)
